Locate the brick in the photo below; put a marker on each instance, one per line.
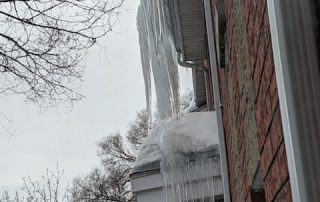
(263, 66)
(278, 174)
(272, 142)
(266, 156)
(285, 194)
(276, 132)
(268, 66)
(261, 135)
(257, 73)
(260, 117)
(246, 187)
(262, 80)
(273, 91)
(266, 35)
(261, 8)
(268, 113)
(246, 11)
(254, 4)
(255, 36)
(250, 28)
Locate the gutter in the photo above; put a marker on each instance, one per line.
(217, 99)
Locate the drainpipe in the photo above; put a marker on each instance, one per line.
(194, 66)
(186, 64)
(217, 100)
(208, 93)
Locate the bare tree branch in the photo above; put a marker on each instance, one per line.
(43, 45)
(111, 182)
(49, 189)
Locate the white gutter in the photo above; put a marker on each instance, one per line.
(217, 100)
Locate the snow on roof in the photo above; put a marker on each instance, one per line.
(186, 134)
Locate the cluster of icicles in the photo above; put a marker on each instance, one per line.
(192, 182)
(183, 180)
(158, 57)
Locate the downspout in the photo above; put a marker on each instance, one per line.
(216, 91)
(186, 64)
(194, 66)
(208, 90)
(217, 99)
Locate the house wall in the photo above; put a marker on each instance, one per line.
(251, 112)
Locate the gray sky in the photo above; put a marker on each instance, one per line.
(114, 91)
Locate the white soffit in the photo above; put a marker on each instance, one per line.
(189, 29)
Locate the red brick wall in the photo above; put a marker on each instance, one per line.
(251, 112)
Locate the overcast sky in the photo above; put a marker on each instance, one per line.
(114, 90)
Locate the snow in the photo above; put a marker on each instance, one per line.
(192, 105)
(175, 138)
(186, 150)
(158, 57)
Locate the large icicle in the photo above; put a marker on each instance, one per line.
(145, 58)
(158, 56)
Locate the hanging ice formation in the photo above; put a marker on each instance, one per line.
(158, 57)
(190, 165)
(194, 181)
(184, 145)
(186, 150)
